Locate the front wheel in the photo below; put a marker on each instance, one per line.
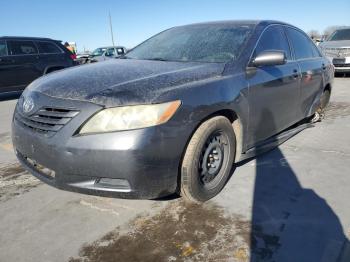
(208, 160)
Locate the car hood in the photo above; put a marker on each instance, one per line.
(123, 81)
(336, 44)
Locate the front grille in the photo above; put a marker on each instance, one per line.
(47, 120)
(342, 65)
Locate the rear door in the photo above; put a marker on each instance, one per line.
(50, 55)
(312, 66)
(274, 91)
(24, 62)
(8, 77)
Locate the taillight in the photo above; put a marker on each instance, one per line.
(73, 56)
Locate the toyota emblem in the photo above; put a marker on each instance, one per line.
(28, 105)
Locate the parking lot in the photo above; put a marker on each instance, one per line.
(291, 202)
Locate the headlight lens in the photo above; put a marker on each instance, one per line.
(130, 117)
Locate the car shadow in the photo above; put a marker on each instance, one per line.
(289, 222)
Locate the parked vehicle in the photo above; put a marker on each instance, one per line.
(23, 59)
(175, 113)
(106, 53)
(82, 58)
(337, 49)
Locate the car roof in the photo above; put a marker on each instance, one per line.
(240, 22)
(117, 46)
(28, 38)
(343, 27)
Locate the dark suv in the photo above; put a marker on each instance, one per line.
(23, 59)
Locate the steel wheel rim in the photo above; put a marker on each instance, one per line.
(214, 155)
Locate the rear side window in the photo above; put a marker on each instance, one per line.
(273, 38)
(302, 45)
(3, 48)
(48, 48)
(315, 50)
(22, 48)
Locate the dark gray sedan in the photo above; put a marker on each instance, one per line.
(175, 113)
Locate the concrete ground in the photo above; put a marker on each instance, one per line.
(291, 204)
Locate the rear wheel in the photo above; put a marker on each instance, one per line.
(208, 160)
(320, 112)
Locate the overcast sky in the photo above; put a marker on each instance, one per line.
(86, 21)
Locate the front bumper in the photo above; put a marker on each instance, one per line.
(341, 65)
(129, 164)
(342, 69)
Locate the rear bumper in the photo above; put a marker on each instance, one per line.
(129, 164)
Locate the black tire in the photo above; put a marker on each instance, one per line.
(199, 182)
(320, 112)
(324, 100)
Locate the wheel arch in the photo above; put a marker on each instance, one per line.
(237, 127)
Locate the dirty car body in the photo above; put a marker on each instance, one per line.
(260, 100)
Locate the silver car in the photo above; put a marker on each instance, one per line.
(337, 49)
(106, 53)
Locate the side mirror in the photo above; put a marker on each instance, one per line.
(269, 58)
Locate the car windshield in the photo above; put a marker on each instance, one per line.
(98, 51)
(196, 43)
(342, 34)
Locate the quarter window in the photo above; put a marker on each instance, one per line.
(301, 44)
(22, 48)
(273, 38)
(3, 48)
(48, 48)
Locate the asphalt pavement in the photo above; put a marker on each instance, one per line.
(291, 204)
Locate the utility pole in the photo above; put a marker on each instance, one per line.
(110, 25)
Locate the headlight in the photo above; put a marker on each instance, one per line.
(130, 117)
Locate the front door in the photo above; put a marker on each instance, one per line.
(274, 91)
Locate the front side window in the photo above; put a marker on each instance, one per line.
(341, 34)
(48, 48)
(3, 48)
(273, 38)
(110, 52)
(302, 45)
(98, 51)
(195, 43)
(22, 48)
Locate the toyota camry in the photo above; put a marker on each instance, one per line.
(173, 115)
